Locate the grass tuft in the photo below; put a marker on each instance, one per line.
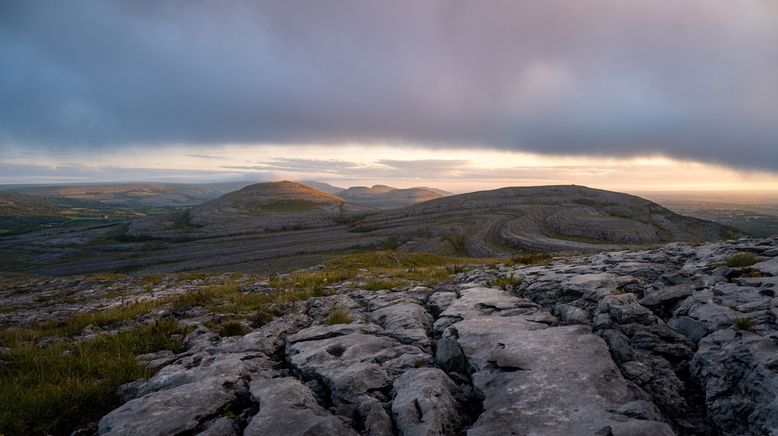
(510, 282)
(232, 328)
(339, 316)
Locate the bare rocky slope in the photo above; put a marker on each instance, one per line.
(543, 218)
(386, 197)
(621, 343)
(665, 341)
(257, 208)
(249, 229)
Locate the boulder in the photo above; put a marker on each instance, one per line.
(288, 408)
(424, 404)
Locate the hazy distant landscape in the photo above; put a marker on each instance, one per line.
(753, 213)
(127, 229)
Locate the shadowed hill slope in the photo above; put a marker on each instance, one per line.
(387, 197)
(323, 187)
(544, 218)
(15, 204)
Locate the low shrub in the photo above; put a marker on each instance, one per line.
(531, 259)
(741, 260)
(232, 328)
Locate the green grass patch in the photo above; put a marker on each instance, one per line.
(66, 385)
(379, 284)
(741, 260)
(75, 324)
(531, 259)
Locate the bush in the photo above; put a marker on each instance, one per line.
(339, 316)
(741, 260)
(232, 328)
(744, 323)
(261, 318)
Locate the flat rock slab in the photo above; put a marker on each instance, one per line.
(557, 380)
(171, 411)
(355, 364)
(768, 266)
(289, 408)
(425, 404)
(406, 322)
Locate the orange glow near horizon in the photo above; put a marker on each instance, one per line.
(455, 170)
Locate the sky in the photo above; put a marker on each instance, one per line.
(625, 95)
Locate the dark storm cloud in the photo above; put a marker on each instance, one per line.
(691, 78)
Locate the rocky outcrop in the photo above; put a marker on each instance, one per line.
(655, 342)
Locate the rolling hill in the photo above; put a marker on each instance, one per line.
(386, 197)
(268, 226)
(261, 207)
(544, 218)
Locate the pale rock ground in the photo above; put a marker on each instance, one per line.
(618, 343)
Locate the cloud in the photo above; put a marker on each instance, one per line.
(11, 173)
(694, 79)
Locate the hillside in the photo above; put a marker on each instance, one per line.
(263, 200)
(261, 207)
(321, 186)
(387, 197)
(545, 218)
(129, 194)
(274, 226)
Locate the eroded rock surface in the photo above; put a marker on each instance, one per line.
(656, 342)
